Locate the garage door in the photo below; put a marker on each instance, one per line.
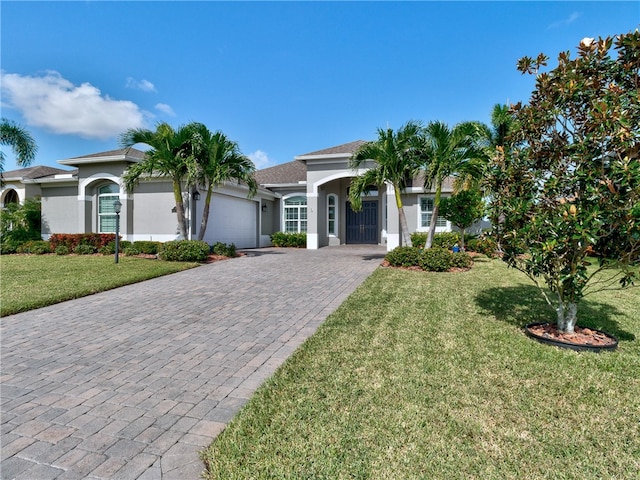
(232, 220)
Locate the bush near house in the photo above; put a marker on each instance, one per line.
(295, 240)
(19, 224)
(482, 244)
(147, 247)
(184, 251)
(443, 240)
(435, 259)
(72, 240)
(223, 249)
(35, 247)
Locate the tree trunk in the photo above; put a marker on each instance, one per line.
(182, 221)
(205, 213)
(404, 227)
(432, 226)
(462, 239)
(567, 316)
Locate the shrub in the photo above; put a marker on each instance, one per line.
(35, 247)
(110, 248)
(62, 250)
(418, 239)
(295, 240)
(72, 240)
(446, 240)
(147, 247)
(484, 245)
(83, 249)
(460, 260)
(223, 249)
(443, 240)
(184, 251)
(132, 251)
(436, 259)
(404, 257)
(10, 245)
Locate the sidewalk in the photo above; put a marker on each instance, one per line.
(134, 382)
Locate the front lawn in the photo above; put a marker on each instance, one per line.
(429, 375)
(34, 281)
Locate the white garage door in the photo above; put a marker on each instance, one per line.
(232, 220)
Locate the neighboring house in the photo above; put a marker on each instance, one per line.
(308, 194)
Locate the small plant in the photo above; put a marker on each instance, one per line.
(62, 250)
(446, 240)
(404, 257)
(295, 240)
(131, 251)
(184, 251)
(436, 259)
(418, 239)
(83, 249)
(223, 249)
(35, 247)
(147, 247)
(483, 244)
(460, 260)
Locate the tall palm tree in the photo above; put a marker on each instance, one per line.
(217, 160)
(169, 156)
(448, 152)
(20, 141)
(395, 156)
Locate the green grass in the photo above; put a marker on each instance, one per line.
(429, 375)
(34, 281)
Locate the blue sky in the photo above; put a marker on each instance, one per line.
(280, 78)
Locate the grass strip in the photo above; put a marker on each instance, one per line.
(429, 375)
(35, 281)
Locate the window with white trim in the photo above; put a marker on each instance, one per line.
(107, 194)
(295, 214)
(426, 210)
(332, 215)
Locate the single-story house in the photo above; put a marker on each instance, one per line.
(308, 194)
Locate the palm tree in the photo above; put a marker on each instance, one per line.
(20, 141)
(169, 156)
(449, 152)
(395, 156)
(217, 160)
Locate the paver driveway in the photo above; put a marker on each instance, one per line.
(133, 382)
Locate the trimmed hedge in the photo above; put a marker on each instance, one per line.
(184, 251)
(72, 240)
(147, 247)
(443, 239)
(35, 247)
(435, 259)
(223, 249)
(295, 240)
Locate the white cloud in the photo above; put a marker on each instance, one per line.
(144, 85)
(55, 104)
(163, 107)
(567, 21)
(260, 159)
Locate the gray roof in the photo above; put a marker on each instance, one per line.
(344, 149)
(128, 152)
(32, 173)
(290, 172)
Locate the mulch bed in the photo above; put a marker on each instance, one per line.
(581, 336)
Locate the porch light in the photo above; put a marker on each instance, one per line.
(116, 208)
(264, 207)
(196, 195)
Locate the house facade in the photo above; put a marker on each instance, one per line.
(308, 194)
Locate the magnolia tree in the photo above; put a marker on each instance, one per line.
(463, 209)
(567, 187)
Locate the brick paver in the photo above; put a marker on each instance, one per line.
(134, 382)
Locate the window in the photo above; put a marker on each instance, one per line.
(332, 214)
(426, 209)
(295, 214)
(107, 194)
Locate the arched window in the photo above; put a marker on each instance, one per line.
(332, 215)
(295, 214)
(107, 194)
(11, 197)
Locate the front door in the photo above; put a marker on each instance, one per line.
(362, 226)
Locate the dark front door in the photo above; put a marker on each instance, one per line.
(362, 226)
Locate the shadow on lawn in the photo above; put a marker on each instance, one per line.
(524, 304)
